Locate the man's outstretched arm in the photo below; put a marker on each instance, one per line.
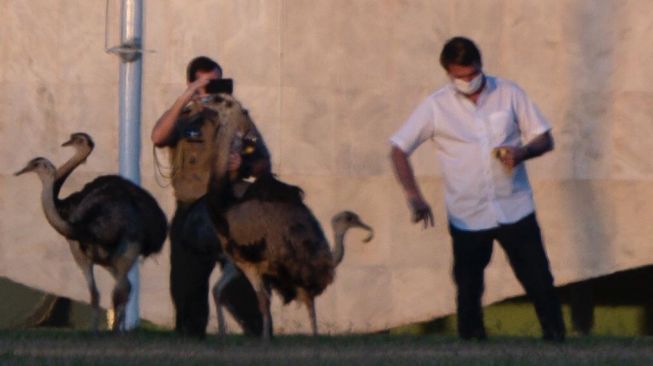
(404, 173)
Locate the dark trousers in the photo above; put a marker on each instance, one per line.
(194, 251)
(523, 245)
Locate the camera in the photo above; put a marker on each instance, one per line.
(218, 86)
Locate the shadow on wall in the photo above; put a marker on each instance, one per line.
(588, 123)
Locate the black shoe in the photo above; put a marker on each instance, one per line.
(556, 337)
(478, 334)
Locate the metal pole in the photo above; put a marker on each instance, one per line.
(130, 122)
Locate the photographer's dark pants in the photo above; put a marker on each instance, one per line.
(194, 251)
(523, 245)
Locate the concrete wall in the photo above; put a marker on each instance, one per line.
(328, 82)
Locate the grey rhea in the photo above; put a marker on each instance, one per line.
(110, 222)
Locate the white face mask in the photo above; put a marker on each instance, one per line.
(468, 87)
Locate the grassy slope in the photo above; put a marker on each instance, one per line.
(519, 319)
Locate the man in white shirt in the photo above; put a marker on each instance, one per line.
(484, 128)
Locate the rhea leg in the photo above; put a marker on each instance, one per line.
(86, 265)
(95, 296)
(264, 305)
(310, 307)
(120, 297)
(120, 268)
(229, 273)
(263, 298)
(311, 314)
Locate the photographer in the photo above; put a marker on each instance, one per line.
(195, 248)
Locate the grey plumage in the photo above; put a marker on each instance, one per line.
(110, 222)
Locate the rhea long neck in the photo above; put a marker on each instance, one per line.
(338, 246)
(48, 204)
(219, 184)
(67, 168)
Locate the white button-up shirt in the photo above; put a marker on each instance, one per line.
(480, 193)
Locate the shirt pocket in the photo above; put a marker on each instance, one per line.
(501, 126)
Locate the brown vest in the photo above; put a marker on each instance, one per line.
(191, 161)
(191, 157)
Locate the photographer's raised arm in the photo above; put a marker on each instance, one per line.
(165, 125)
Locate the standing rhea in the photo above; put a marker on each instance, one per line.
(110, 222)
(269, 233)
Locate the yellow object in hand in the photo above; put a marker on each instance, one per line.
(499, 152)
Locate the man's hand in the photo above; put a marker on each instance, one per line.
(510, 156)
(404, 172)
(165, 125)
(195, 87)
(421, 212)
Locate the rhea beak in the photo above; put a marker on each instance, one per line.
(67, 143)
(363, 225)
(22, 171)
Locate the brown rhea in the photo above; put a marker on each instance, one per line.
(269, 233)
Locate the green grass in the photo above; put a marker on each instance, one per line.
(147, 347)
(518, 319)
(616, 340)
